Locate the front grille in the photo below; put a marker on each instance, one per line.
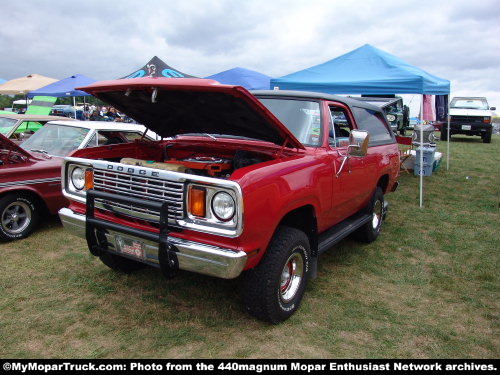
(467, 119)
(143, 188)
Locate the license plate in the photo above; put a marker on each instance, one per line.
(130, 247)
(466, 127)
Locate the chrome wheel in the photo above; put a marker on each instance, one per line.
(291, 277)
(16, 217)
(377, 215)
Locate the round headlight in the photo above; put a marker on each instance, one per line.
(391, 118)
(78, 178)
(223, 206)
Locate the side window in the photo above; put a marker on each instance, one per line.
(369, 120)
(340, 127)
(109, 138)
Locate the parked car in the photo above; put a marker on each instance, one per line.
(30, 173)
(396, 112)
(21, 127)
(469, 116)
(253, 185)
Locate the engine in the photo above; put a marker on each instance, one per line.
(212, 166)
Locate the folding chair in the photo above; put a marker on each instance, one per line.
(405, 146)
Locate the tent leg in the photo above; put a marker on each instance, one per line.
(422, 153)
(448, 137)
(74, 105)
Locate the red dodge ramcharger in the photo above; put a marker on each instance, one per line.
(253, 184)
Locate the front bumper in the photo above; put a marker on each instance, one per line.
(191, 256)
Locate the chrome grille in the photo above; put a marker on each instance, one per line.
(143, 188)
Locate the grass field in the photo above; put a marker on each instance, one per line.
(428, 287)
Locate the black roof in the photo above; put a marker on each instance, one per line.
(382, 102)
(351, 102)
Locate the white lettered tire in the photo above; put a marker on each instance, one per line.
(274, 289)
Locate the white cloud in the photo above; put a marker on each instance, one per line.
(107, 39)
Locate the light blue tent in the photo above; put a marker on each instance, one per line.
(2, 81)
(249, 79)
(365, 70)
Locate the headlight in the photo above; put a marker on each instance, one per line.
(223, 206)
(78, 178)
(391, 118)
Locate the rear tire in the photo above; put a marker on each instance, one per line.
(371, 230)
(120, 264)
(19, 216)
(444, 133)
(273, 290)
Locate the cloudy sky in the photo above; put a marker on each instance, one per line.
(457, 40)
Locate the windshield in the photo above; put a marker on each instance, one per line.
(57, 140)
(301, 117)
(469, 103)
(6, 124)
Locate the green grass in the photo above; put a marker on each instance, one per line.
(428, 287)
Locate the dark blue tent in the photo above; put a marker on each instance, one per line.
(365, 70)
(156, 67)
(64, 87)
(249, 79)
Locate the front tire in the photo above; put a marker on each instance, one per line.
(487, 137)
(371, 230)
(19, 216)
(273, 290)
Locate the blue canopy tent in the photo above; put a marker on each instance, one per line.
(249, 79)
(2, 81)
(368, 70)
(64, 87)
(365, 70)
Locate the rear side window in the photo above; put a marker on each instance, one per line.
(369, 120)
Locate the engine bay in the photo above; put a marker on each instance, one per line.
(202, 165)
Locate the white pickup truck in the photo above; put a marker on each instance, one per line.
(470, 116)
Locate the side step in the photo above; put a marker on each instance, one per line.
(340, 231)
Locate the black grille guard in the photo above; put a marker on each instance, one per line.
(95, 229)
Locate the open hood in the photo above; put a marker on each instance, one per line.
(8, 145)
(173, 106)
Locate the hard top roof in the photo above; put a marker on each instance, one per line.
(316, 95)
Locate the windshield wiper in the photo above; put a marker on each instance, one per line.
(40, 151)
(210, 136)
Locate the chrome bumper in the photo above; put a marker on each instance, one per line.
(192, 256)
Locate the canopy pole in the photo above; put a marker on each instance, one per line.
(448, 136)
(74, 105)
(422, 153)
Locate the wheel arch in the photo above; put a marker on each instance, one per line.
(303, 218)
(38, 200)
(383, 182)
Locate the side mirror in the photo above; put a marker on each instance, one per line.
(358, 143)
(493, 108)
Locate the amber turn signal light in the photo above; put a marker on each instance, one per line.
(197, 201)
(89, 179)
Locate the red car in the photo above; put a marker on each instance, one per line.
(30, 173)
(252, 184)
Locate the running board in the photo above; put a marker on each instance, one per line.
(340, 231)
